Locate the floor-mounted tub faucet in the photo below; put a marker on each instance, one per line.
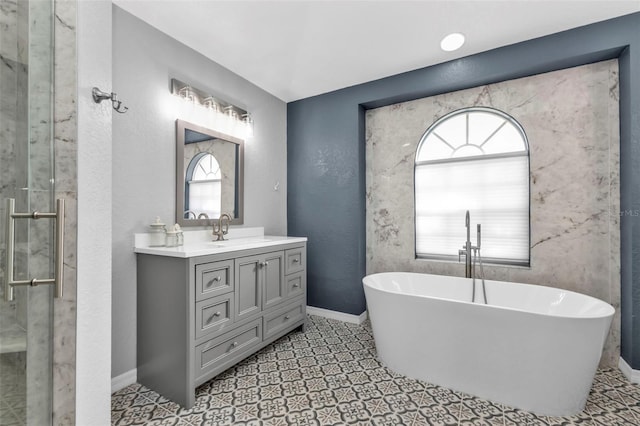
(467, 247)
(469, 272)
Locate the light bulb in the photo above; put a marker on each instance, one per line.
(453, 41)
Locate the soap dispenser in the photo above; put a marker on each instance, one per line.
(157, 233)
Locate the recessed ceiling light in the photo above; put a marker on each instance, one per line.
(453, 41)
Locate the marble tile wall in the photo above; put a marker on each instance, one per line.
(65, 170)
(40, 246)
(26, 54)
(27, 156)
(571, 120)
(10, 68)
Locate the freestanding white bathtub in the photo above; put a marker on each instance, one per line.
(532, 347)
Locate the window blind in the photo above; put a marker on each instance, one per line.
(496, 193)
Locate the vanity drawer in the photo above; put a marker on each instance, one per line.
(281, 319)
(214, 314)
(214, 279)
(217, 351)
(295, 260)
(295, 284)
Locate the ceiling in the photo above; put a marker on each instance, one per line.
(297, 49)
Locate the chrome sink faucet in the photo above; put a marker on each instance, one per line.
(467, 248)
(221, 228)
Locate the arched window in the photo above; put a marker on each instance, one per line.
(474, 159)
(204, 185)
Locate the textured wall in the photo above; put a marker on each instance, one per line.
(144, 153)
(571, 121)
(94, 215)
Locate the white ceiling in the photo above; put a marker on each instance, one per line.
(296, 49)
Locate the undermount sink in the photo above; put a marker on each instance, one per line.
(238, 242)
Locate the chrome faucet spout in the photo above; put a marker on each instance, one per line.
(467, 223)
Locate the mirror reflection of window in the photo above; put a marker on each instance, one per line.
(209, 164)
(204, 186)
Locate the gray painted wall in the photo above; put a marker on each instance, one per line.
(326, 156)
(144, 61)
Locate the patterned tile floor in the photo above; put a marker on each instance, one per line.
(329, 376)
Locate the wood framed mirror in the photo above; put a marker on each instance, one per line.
(209, 175)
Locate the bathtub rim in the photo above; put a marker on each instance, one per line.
(610, 309)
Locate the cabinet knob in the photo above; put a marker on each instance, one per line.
(234, 344)
(263, 264)
(217, 314)
(296, 260)
(286, 317)
(214, 280)
(296, 285)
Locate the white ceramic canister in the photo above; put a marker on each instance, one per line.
(157, 233)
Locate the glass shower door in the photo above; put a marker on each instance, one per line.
(26, 175)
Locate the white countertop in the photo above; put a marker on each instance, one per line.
(199, 243)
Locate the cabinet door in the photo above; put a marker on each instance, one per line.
(248, 296)
(273, 274)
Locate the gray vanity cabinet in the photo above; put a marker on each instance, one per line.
(260, 283)
(199, 316)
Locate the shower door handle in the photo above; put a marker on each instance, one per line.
(58, 279)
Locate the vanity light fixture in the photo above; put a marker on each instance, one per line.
(248, 122)
(451, 42)
(187, 94)
(211, 103)
(224, 116)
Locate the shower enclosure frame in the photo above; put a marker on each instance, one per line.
(28, 149)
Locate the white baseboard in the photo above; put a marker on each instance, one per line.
(340, 316)
(630, 373)
(124, 380)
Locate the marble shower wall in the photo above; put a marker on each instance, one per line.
(24, 49)
(572, 123)
(27, 172)
(13, 78)
(66, 186)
